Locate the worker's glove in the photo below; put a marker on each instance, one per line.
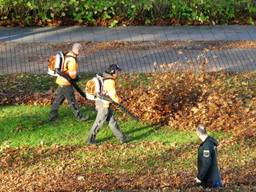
(198, 180)
(77, 78)
(119, 100)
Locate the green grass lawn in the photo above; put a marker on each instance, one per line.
(27, 125)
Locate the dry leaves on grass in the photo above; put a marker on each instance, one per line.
(57, 168)
(221, 101)
(218, 100)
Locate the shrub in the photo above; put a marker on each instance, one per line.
(92, 12)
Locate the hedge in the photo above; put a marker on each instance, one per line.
(117, 12)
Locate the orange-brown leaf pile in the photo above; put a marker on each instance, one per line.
(220, 101)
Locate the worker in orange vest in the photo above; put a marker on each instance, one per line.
(104, 111)
(65, 89)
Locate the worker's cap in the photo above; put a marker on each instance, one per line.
(76, 46)
(112, 69)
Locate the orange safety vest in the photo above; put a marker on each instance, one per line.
(109, 89)
(70, 68)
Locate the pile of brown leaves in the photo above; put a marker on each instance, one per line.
(220, 101)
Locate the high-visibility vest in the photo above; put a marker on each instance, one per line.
(109, 89)
(70, 68)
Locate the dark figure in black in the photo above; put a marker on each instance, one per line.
(208, 172)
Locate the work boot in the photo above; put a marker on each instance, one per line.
(53, 117)
(91, 141)
(82, 118)
(125, 139)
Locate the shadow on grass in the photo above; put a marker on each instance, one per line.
(18, 121)
(14, 125)
(148, 130)
(67, 114)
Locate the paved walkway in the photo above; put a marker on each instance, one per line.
(139, 33)
(20, 53)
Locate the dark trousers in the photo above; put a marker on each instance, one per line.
(62, 93)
